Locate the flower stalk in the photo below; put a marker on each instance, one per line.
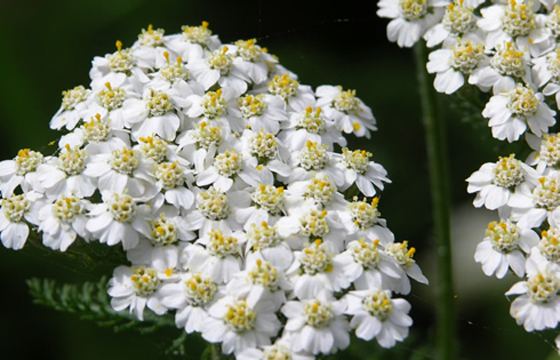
(440, 194)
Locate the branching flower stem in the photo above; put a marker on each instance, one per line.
(440, 193)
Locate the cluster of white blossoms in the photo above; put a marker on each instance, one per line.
(230, 187)
(510, 51)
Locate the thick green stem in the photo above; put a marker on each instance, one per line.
(440, 194)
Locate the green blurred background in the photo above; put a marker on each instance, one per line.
(47, 47)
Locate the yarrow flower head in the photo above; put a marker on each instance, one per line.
(227, 186)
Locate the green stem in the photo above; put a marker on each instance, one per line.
(440, 193)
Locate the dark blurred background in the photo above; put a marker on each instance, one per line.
(47, 47)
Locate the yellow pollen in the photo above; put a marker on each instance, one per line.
(166, 56)
(259, 262)
(169, 272)
(356, 126)
(119, 46)
(318, 242)
(205, 24)
(98, 117)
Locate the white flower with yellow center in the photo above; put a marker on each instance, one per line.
(537, 307)
(375, 314)
(495, 183)
(410, 19)
(503, 248)
(513, 108)
(253, 60)
(122, 169)
(296, 96)
(136, 288)
(20, 171)
(65, 174)
(317, 325)
(280, 350)
(315, 269)
(227, 169)
(264, 242)
(404, 256)
(263, 112)
(191, 297)
(75, 103)
(453, 64)
(149, 48)
(360, 170)
(310, 125)
(219, 68)
(546, 72)
(515, 21)
(533, 206)
(266, 204)
(239, 324)
(172, 180)
(349, 113)
(63, 221)
(193, 41)
(16, 213)
(458, 20)
(362, 218)
(118, 219)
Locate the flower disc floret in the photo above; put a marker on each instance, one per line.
(163, 232)
(263, 146)
(153, 148)
(228, 163)
(96, 130)
(283, 86)
(317, 314)
(315, 259)
(265, 275)
(518, 19)
(205, 135)
(276, 352)
(508, 172)
(364, 214)
(111, 98)
(311, 121)
(122, 207)
(72, 161)
(67, 208)
(346, 101)
(550, 150)
(157, 103)
(249, 50)
(171, 174)
(378, 304)
(239, 316)
(220, 245)
(314, 224)
(72, 97)
(269, 197)
(466, 56)
(542, 288)
(151, 37)
(252, 105)
(458, 19)
(509, 62)
(213, 104)
(198, 34)
(321, 190)
(27, 161)
(124, 161)
(220, 60)
(263, 236)
(413, 9)
(365, 253)
(357, 160)
(313, 156)
(401, 252)
(15, 207)
(549, 245)
(547, 193)
(145, 281)
(173, 71)
(504, 236)
(523, 102)
(199, 290)
(121, 61)
(212, 204)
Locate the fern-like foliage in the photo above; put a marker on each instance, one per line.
(90, 302)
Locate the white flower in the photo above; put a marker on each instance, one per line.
(458, 20)
(317, 325)
(376, 315)
(495, 183)
(17, 211)
(279, 350)
(513, 108)
(241, 324)
(74, 103)
(296, 96)
(21, 171)
(359, 170)
(135, 288)
(263, 112)
(503, 247)
(410, 18)
(362, 219)
(538, 306)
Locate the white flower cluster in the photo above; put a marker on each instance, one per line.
(218, 174)
(508, 49)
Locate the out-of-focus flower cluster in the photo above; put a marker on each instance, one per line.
(508, 50)
(230, 187)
